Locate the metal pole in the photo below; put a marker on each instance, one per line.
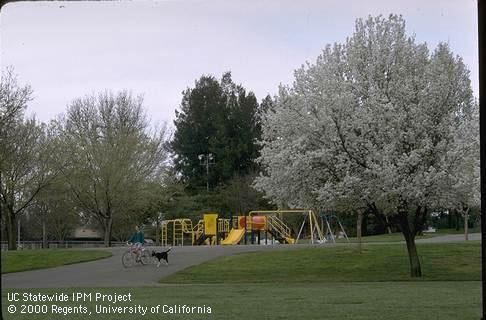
(330, 230)
(482, 126)
(207, 172)
(316, 224)
(300, 231)
(174, 234)
(311, 229)
(157, 237)
(44, 234)
(322, 223)
(182, 232)
(244, 219)
(344, 231)
(18, 232)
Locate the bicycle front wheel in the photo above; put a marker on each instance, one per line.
(128, 259)
(145, 257)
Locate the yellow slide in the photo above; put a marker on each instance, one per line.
(290, 240)
(234, 237)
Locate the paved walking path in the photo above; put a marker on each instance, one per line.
(451, 238)
(110, 272)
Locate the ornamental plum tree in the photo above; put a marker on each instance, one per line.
(377, 124)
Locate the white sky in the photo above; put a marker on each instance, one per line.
(66, 50)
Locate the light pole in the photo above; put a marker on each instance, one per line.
(159, 218)
(206, 160)
(18, 233)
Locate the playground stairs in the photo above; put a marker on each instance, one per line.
(178, 234)
(176, 230)
(202, 240)
(198, 233)
(279, 230)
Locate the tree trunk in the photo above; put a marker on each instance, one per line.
(415, 268)
(409, 235)
(11, 229)
(457, 220)
(108, 224)
(466, 224)
(388, 225)
(44, 234)
(364, 224)
(358, 230)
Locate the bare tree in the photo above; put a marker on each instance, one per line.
(24, 154)
(110, 154)
(55, 213)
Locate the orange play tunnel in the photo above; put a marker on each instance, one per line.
(257, 222)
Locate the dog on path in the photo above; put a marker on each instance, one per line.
(163, 255)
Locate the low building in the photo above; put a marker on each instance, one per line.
(85, 233)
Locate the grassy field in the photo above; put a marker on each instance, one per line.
(446, 262)
(333, 301)
(398, 236)
(313, 283)
(393, 237)
(15, 261)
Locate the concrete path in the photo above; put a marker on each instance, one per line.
(451, 238)
(110, 272)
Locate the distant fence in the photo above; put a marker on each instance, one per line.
(32, 245)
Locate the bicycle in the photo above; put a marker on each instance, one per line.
(129, 257)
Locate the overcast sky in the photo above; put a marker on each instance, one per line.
(66, 50)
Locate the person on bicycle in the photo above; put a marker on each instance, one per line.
(138, 240)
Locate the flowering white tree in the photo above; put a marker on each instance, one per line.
(465, 190)
(373, 125)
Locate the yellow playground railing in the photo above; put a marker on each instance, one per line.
(178, 229)
(278, 226)
(315, 229)
(224, 225)
(197, 231)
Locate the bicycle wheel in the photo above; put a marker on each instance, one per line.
(128, 259)
(145, 257)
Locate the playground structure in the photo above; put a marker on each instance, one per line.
(178, 232)
(179, 229)
(212, 230)
(328, 220)
(275, 224)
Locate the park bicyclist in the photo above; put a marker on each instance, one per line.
(138, 240)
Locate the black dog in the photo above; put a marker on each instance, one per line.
(162, 255)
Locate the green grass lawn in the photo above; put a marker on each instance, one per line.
(398, 236)
(292, 301)
(307, 284)
(446, 262)
(393, 237)
(15, 261)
